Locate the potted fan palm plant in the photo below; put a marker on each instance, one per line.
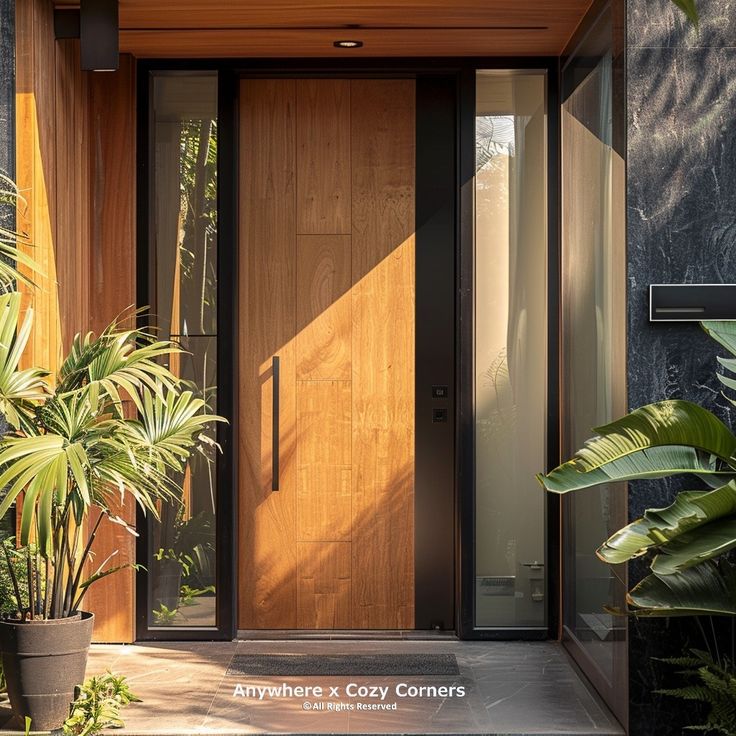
(72, 446)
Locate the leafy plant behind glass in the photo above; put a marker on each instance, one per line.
(690, 9)
(164, 616)
(181, 535)
(191, 542)
(198, 206)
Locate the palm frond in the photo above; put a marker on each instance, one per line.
(117, 360)
(18, 388)
(168, 424)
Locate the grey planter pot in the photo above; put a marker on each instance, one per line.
(44, 661)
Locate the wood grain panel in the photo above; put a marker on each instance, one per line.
(383, 149)
(324, 503)
(341, 308)
(324, 585)
(323, 344)
(267, 539)
(113, 290)
(113, 166)
(36, 178)
(36, 173)
(323, 158)
(399, 28)
(323, 423)
(400, 43)
(340, 13)
(72, 255)
(76, 155)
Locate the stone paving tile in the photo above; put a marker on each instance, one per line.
(536, 708)
(272, 715)
(430, 715)
(511, 688)
(322, 646)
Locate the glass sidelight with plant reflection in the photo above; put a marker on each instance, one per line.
(510, 347)
(182, 572)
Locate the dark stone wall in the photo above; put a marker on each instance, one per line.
(681, 209)
(7, 87)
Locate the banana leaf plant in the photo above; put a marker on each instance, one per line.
(116, 422)
(687, 542)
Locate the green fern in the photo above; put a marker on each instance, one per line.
(711, 683)
(691, 692)
(683, 661)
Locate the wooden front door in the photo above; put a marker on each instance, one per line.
(326, 298)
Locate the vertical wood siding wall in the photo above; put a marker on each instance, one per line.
(75, 148)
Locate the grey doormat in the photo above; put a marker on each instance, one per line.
(282, 665)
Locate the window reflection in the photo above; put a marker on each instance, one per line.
(593, 351)
(510, 347)
(182, 580)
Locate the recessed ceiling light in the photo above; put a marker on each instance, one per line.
(347, 44)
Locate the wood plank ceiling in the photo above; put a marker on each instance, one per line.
(308, 28)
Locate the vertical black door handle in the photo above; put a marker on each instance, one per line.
(275, 432)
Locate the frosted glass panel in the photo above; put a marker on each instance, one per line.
(510, 348)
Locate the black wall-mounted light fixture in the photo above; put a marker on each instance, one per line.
(347, 44)
(99, 35)
(691, 302)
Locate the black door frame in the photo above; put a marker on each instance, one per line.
(445, 582)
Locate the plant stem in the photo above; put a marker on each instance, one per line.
(47, 590)
(107, 559)
(29, 569)
(59, 556)
(14, 579)
(84, 556)
(66, 561)
(715, 641)
(37, 565)
(68, 609)
(705, 636)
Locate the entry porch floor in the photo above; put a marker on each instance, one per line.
(511, 688)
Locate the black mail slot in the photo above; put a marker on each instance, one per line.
(691, 302)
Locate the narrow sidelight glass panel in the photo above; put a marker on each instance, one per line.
(181, 555)
(593, 346)
(510, 348)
